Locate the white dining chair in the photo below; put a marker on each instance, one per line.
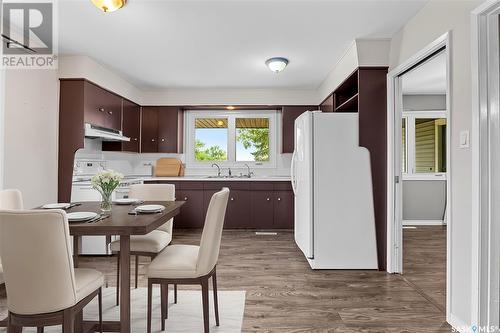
(11, 199)
(151, 244)
(42, 286)
(191, 264)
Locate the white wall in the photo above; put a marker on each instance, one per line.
(31, 118)
(2, 126)
(435, 19)
(230, 97)
(87, 68)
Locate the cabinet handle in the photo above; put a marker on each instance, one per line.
(135, 139)
(268, 199)
(185, 198)
(232, 199)
(110, 112)
(162, 140)
(152, 140)
(101, 109)
(279, 199)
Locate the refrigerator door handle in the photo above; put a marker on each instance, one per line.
(292, 174)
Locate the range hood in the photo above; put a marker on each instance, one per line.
(106, 134)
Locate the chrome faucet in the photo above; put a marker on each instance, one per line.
(229, 172)
(250, 173)
(218, 168)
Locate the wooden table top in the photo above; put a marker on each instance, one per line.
(120, 222)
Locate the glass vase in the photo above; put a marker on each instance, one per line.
(106, 203)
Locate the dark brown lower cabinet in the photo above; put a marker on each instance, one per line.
(251, 205)
(192, 213)
(283, 210)
(262, 209)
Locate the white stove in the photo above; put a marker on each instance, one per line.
(81, 190)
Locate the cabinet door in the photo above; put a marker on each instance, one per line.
(113, 111)
(262, 209)
(149, 135)
(94, 102)
(283, 210)
(131, 123)
(238, 210)
(169, 129)
(191, 215)
(289, 114)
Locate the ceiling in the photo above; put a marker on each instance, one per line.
(428, 78)
(223, 44)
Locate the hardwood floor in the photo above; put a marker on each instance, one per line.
(424, 261)
(285, 295)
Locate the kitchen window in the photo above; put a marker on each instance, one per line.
(230, 138)
(424, 145)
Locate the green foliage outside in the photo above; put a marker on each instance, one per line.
(212, 153)
(258, 138)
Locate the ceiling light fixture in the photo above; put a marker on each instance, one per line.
(277, 64)
(109, 5)
(230, 107)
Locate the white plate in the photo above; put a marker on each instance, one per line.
(81, 216)
(63, 205)
(149, 208)
(125, 201)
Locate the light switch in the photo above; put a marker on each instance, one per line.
(464, 139)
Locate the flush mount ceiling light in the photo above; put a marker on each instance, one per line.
(230, 107)
(109, 5)
(277, 64)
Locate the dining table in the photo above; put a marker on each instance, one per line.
(122, 221)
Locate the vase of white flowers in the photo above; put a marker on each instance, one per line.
(106, 182)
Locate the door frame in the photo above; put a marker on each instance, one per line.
(394, 188)
(485, 140)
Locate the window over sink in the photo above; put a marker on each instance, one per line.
(230, 138)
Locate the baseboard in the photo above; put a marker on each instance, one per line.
(423, 222)
(458, 325)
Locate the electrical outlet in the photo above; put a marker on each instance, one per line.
(464, 139)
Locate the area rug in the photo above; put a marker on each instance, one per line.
(185, 316)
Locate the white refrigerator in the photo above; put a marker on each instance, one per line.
(331, 180)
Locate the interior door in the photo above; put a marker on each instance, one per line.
(398, 181)
(302, 183)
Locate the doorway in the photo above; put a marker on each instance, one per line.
(424, 144)
(419, 224)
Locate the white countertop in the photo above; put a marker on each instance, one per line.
(205, 178)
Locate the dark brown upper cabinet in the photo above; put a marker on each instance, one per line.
(170, 129)
(101, 107)
(327, 104)
(162, 129)
(289, 114)
(131, 126)
(149, 129)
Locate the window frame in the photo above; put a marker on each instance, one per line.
(411, 117)
(190, 137)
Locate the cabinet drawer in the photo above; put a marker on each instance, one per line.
(283, 186)
(218, 185)
(191, 185)
(261, 186)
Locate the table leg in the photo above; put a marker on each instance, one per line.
(78, 325)
(77, 249)
(125, 284)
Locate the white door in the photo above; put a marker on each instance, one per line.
(302, 183)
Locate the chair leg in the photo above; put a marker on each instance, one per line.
(11, 328)
(216, 301)
(150, 306)
(164, 304)
(68, 321)
(39, 330)
(136, 270)
(206, 311)
(99, 299)
(175, 293)
(118, 280)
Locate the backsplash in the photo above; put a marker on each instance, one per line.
(142, 164)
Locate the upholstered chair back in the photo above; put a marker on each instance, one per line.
(212, 232)
(11, 199)
(155, 192)
(37, 261)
